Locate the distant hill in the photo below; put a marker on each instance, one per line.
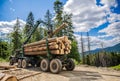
(115, 48)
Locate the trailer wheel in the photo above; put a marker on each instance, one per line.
(44, 65)
(55, 66)
(24, 63)
(60, 64)
(70, 65)
(19, 63)
(11, 62)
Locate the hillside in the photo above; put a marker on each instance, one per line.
(115, 48)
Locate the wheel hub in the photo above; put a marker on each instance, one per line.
(54, 66)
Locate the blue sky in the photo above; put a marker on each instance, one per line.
(11, 9)
(101, 18)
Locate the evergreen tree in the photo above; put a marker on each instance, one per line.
(69, 30)
(4, 52)
(48, 21)
(58, 8)
(16, 36)
(74, 51)
(29, 23)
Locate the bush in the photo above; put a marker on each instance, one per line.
(116, 67)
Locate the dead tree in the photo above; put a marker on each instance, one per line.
(82, 48)
(88, 38)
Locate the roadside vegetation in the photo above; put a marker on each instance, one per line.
(116, 67)
(103, 59)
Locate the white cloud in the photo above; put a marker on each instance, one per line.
(112, 30)
(95, 42)
(109, 3)
(87, 15)
(113, 17)
(7, 27)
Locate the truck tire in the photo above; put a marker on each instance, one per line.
(70, 65)
(19, 63)
(60, 64)
(55, 66)
(44, 65)
(24, 63)
(11, 62)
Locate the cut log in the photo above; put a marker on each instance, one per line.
(62, 51)
(7, 67)
(42, 52)
(42, 42)
(59, 45)
(30, 75)
(1, 76)
(64, 39)
(55, 47)
(9, 78)
(41, 45)
(58, 29)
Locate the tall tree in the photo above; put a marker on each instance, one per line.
(4, 52)
(69, 30)
(88, 38)
(16, 36)
(58, 8)
(48, 21)
(29, 23)
(74, 51)
(82, 48)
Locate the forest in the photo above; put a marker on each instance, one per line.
(19, 35)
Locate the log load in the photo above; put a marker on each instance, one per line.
(58, 45)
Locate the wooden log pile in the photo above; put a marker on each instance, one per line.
(58, 45)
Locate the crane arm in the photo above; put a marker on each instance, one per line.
(64, 25)
(32, 31)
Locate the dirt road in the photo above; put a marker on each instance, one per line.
(81, 73)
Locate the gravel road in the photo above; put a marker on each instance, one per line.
(81, 73)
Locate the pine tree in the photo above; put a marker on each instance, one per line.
(16, 36)
(4, 52)
(58, 8)
(69, 30)
(48, 21)
(29, 26)
(29, 23)
(74, 51)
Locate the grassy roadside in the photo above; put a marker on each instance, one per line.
(3, 60)
(116, 67)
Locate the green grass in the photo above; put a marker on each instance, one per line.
(3, 60)
(116, 67)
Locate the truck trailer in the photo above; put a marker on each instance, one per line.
(50, 53)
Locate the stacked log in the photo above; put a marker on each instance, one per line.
(59, 45)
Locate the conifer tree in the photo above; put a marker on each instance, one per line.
(16, 36)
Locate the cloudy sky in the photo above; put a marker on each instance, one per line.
(101, 18)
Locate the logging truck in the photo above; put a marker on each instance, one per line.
(50, 53)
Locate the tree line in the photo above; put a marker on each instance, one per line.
(103, 59)
(18, 35)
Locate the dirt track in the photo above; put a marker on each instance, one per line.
(81, 73)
